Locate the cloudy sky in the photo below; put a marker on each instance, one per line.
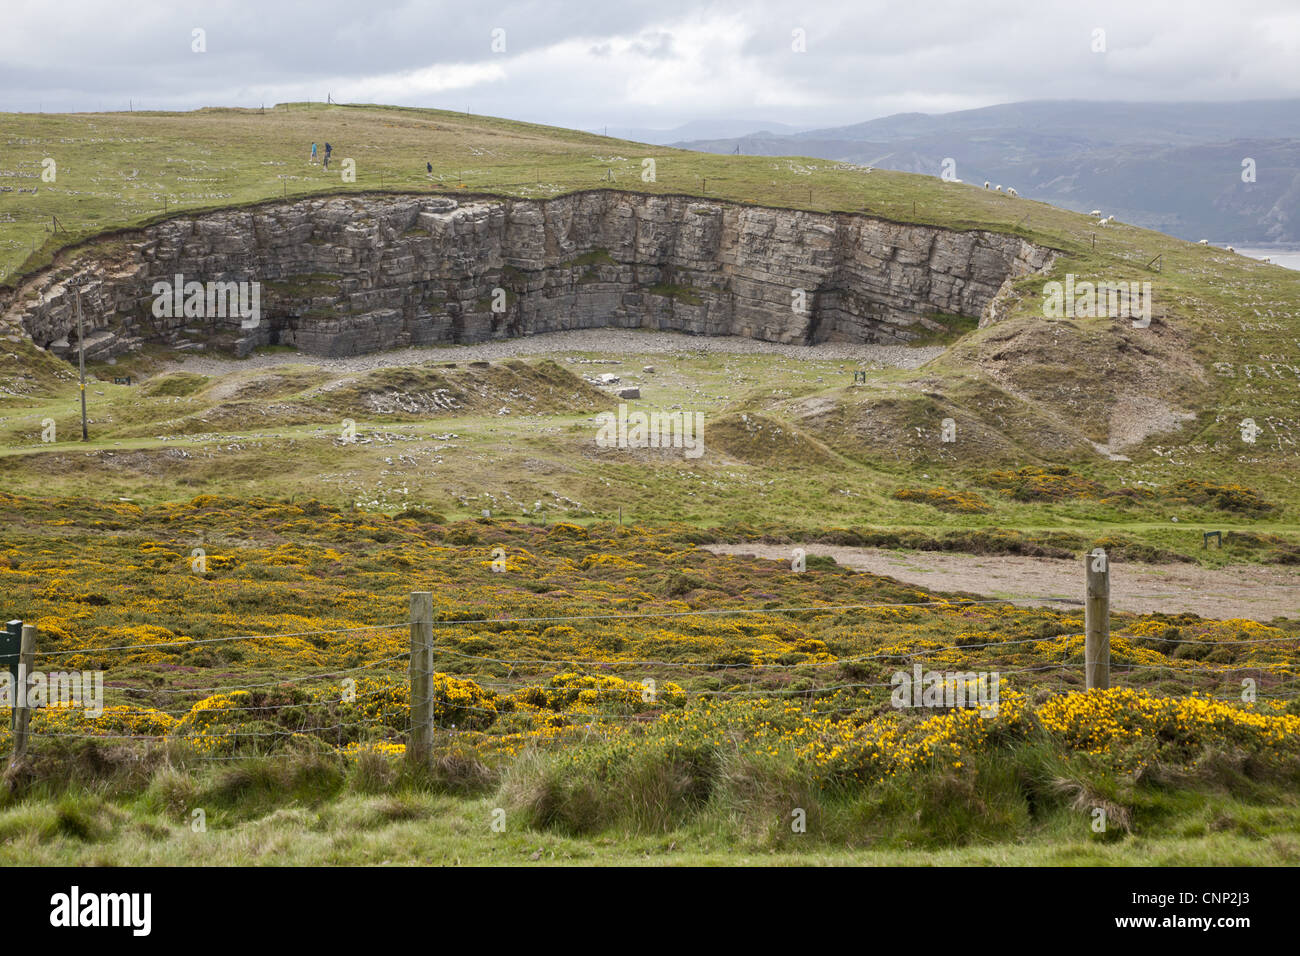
(623, 63)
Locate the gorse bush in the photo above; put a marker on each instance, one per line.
(1043, 484)
(1222, 497)
(1059, 483)
(610, 678)
(959, 502)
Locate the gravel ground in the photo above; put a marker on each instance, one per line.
(604, 341)
(1244, 591)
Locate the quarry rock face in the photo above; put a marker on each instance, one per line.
(346, 275)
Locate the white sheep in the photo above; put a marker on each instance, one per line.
(986, 184)
(997, 188)
(1230, 249)
(1110, 218)
(1103, 222)
(1012, 192)
(1204, 242)
(1266, 259)
(1095, 212)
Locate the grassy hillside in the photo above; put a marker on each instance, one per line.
(318, 494)
(1137, 412)
(518, 438)
(1219, 349)
(122, 169)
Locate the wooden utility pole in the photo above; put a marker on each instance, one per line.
(81, 364)
(23, 714)
(417, 747)
(1096, 617)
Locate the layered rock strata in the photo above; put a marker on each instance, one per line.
(345, 275)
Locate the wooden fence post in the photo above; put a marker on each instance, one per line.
(1096, 615)
(12, 645)
(417, 747)
(23, 714)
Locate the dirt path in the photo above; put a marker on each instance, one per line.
(1241, 591)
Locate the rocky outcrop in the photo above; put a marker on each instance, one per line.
(345, 275)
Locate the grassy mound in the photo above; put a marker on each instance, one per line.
(761, 440)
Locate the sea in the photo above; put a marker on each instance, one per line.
(1285, 256)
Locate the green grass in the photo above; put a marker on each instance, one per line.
(312, 812)
(679, 292)
(275, 433)
(950, 329)
(132, 168)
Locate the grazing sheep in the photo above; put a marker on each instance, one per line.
(986, 184)
(1012, 192)
(1230, 249)
(1095, 212)
(1204, 242)
(1110, 218)
(1266, 259)
(1103, 222)
(997, 188)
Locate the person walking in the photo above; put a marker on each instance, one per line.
(313, 152)
(429, 168)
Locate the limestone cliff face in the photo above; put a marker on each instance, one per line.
(345, 275)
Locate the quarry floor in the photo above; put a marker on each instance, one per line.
(612, 342)
(1253, 592)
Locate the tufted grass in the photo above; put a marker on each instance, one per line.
(1015, 810)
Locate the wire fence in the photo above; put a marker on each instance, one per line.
(753, 680)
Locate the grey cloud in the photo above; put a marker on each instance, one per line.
(584, 63)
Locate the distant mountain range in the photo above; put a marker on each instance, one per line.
(699, 129)
(1176, 167)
